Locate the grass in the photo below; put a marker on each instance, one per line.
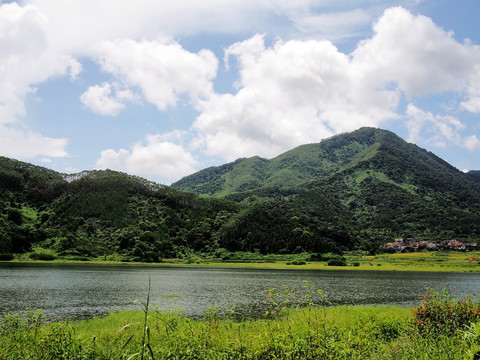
(293, 328)
(438, 261)
(360, 176)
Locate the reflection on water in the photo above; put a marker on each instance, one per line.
(80, 291)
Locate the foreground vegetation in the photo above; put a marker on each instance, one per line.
(293, 328)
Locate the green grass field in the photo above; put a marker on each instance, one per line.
(419, 261)
(440, 328)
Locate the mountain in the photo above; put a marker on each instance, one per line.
(102, 213)
(368, 182)
(474, 174)
(295, 167)
(352, 191)
(362, 150)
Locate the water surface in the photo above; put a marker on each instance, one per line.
(86, 290)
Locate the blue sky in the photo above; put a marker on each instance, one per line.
(163, 89)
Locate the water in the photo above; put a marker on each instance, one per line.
(84, 290)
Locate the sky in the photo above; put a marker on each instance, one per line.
(161, 89)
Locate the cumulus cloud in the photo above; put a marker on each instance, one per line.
(161, 69)
(295, 92)
(442, 129)
(26, 60)
(107, 99)
(414, 53)
(28, 144)
(40, 39)
(75, 68)
(22, 44)
(158, 158)
(290, 93)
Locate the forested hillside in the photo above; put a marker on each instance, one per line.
(103, 213)
(352, 191)
(295, 167)
(364, 186)
(474, 174)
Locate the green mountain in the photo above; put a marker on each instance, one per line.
(351, 191)
(474, 174)
(103, 213)
(370, 184)
(364, 149)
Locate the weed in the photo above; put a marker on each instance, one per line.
(303, 326)
(441, 313)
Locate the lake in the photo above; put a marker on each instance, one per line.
(85, 290)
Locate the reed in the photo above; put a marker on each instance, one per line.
(295, 327)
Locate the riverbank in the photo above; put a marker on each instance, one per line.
(309, 332)
(437, 261)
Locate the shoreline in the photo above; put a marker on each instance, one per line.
(428, 262)
(346, 331)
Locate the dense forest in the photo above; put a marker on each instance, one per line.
(350, 192)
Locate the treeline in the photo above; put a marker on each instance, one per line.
(106, 213)
(353, 192)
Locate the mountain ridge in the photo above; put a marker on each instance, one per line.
(369, 180)
(302, 164)
(353, 191)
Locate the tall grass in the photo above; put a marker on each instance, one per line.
(294, 327)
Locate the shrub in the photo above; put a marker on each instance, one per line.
(356, 263)
(6, 257)
(79, 258)
(439, 313)
(42, 256)
(297, 262)
(324, 256)
(337, 262)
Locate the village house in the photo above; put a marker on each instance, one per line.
(401, 244)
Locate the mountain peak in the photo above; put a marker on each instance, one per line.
(292, 168)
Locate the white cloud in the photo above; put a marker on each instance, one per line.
(157, 159)
(302, 91)
(26, 144)
(472, 143)
(334, 26)
(75, 68)
(162, 69)
(472, 103)
(289, 94)
(108, 20)
(25, 60)
(414, 53)
(106, 99)
(442, 129)
(22, 43)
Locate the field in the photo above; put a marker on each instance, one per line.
(419, 261)
(293, 328)
(426, 261)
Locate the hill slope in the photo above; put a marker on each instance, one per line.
(389, 159)
(352, 191)
(369, 181)
(290, 169)
(102, 213)
(474, 174)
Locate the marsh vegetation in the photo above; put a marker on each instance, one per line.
(294, 327)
